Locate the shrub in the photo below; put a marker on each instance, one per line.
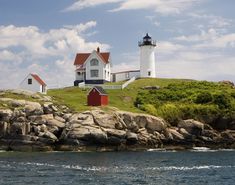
(149, 109)
(222, 101)
(203, 98)
(170, 112)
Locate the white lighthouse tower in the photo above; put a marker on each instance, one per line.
(147, 57)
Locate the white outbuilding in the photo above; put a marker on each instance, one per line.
(125, 75)
(33, 83)
(147, 57)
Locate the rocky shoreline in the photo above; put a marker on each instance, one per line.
(44, 126)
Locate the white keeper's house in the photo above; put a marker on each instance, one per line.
(92, 68)
(33, 83)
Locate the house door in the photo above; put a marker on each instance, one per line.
(43, 88)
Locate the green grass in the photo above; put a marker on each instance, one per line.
(76, 98)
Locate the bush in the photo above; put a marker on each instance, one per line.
(170, 112)
(204, 101)
(222, 101)
(149, 109)
(203, 98)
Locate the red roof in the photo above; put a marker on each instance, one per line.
(82, 57)
(38, 79)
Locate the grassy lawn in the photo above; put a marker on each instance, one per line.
(76, 98)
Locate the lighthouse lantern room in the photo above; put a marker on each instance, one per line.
(147, 57)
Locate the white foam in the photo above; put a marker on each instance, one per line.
(227, 150)
(202, 149)
(38, 164)
(160, 150)
(187, 168)
(92, 168)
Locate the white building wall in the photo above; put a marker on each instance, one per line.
(122, 76)
(147, 61)
(35, 86)
(107, 76)
(134, 74)
(101, 67)
(79, 77)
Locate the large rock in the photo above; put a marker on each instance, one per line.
(18, 128)
(82, 119)
(117, 133)
(33, 108)
(128, 121)
(3, 128)
(41, 119)
(5, 115)
(48, 135)
(47, 108)
(175, 134)
(90, 134)
(191, 126)
(134, 122)
(132, 138)
(56, 123)
(155, 124)
(104, 119)
(14, 102)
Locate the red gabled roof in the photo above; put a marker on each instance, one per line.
(82, 57)
(38, 79)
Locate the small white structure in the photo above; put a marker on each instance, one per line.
(34, 83)
(92, 68)
(147, 57)
(125, 75)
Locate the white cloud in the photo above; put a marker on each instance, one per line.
(160, 6)
(50, 54)
(88, 3)
(6, 55)
(212, 20)
(210, 39)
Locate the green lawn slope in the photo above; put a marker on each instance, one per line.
(76, 98)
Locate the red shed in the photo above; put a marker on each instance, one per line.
(97, 97)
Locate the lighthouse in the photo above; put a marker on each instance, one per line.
(147, 57)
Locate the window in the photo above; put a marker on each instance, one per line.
(79, 73)
(30, 81)
(94, 62)
(149, 73)
(127, 75)
(94, 73)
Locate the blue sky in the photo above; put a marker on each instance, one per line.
(196, 38)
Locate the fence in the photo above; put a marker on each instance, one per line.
(123, 86)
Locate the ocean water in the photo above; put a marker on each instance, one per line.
(199, 166)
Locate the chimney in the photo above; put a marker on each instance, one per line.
(98, 50)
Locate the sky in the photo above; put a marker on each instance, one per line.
(195, 38)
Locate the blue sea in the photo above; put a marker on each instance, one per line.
(199, 166)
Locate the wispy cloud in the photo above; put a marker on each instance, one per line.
(159, 6)
(79, 5)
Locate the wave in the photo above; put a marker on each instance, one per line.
(202, 149)
(187, 168)
(160, 150)
(116, 168)
(92, 168)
